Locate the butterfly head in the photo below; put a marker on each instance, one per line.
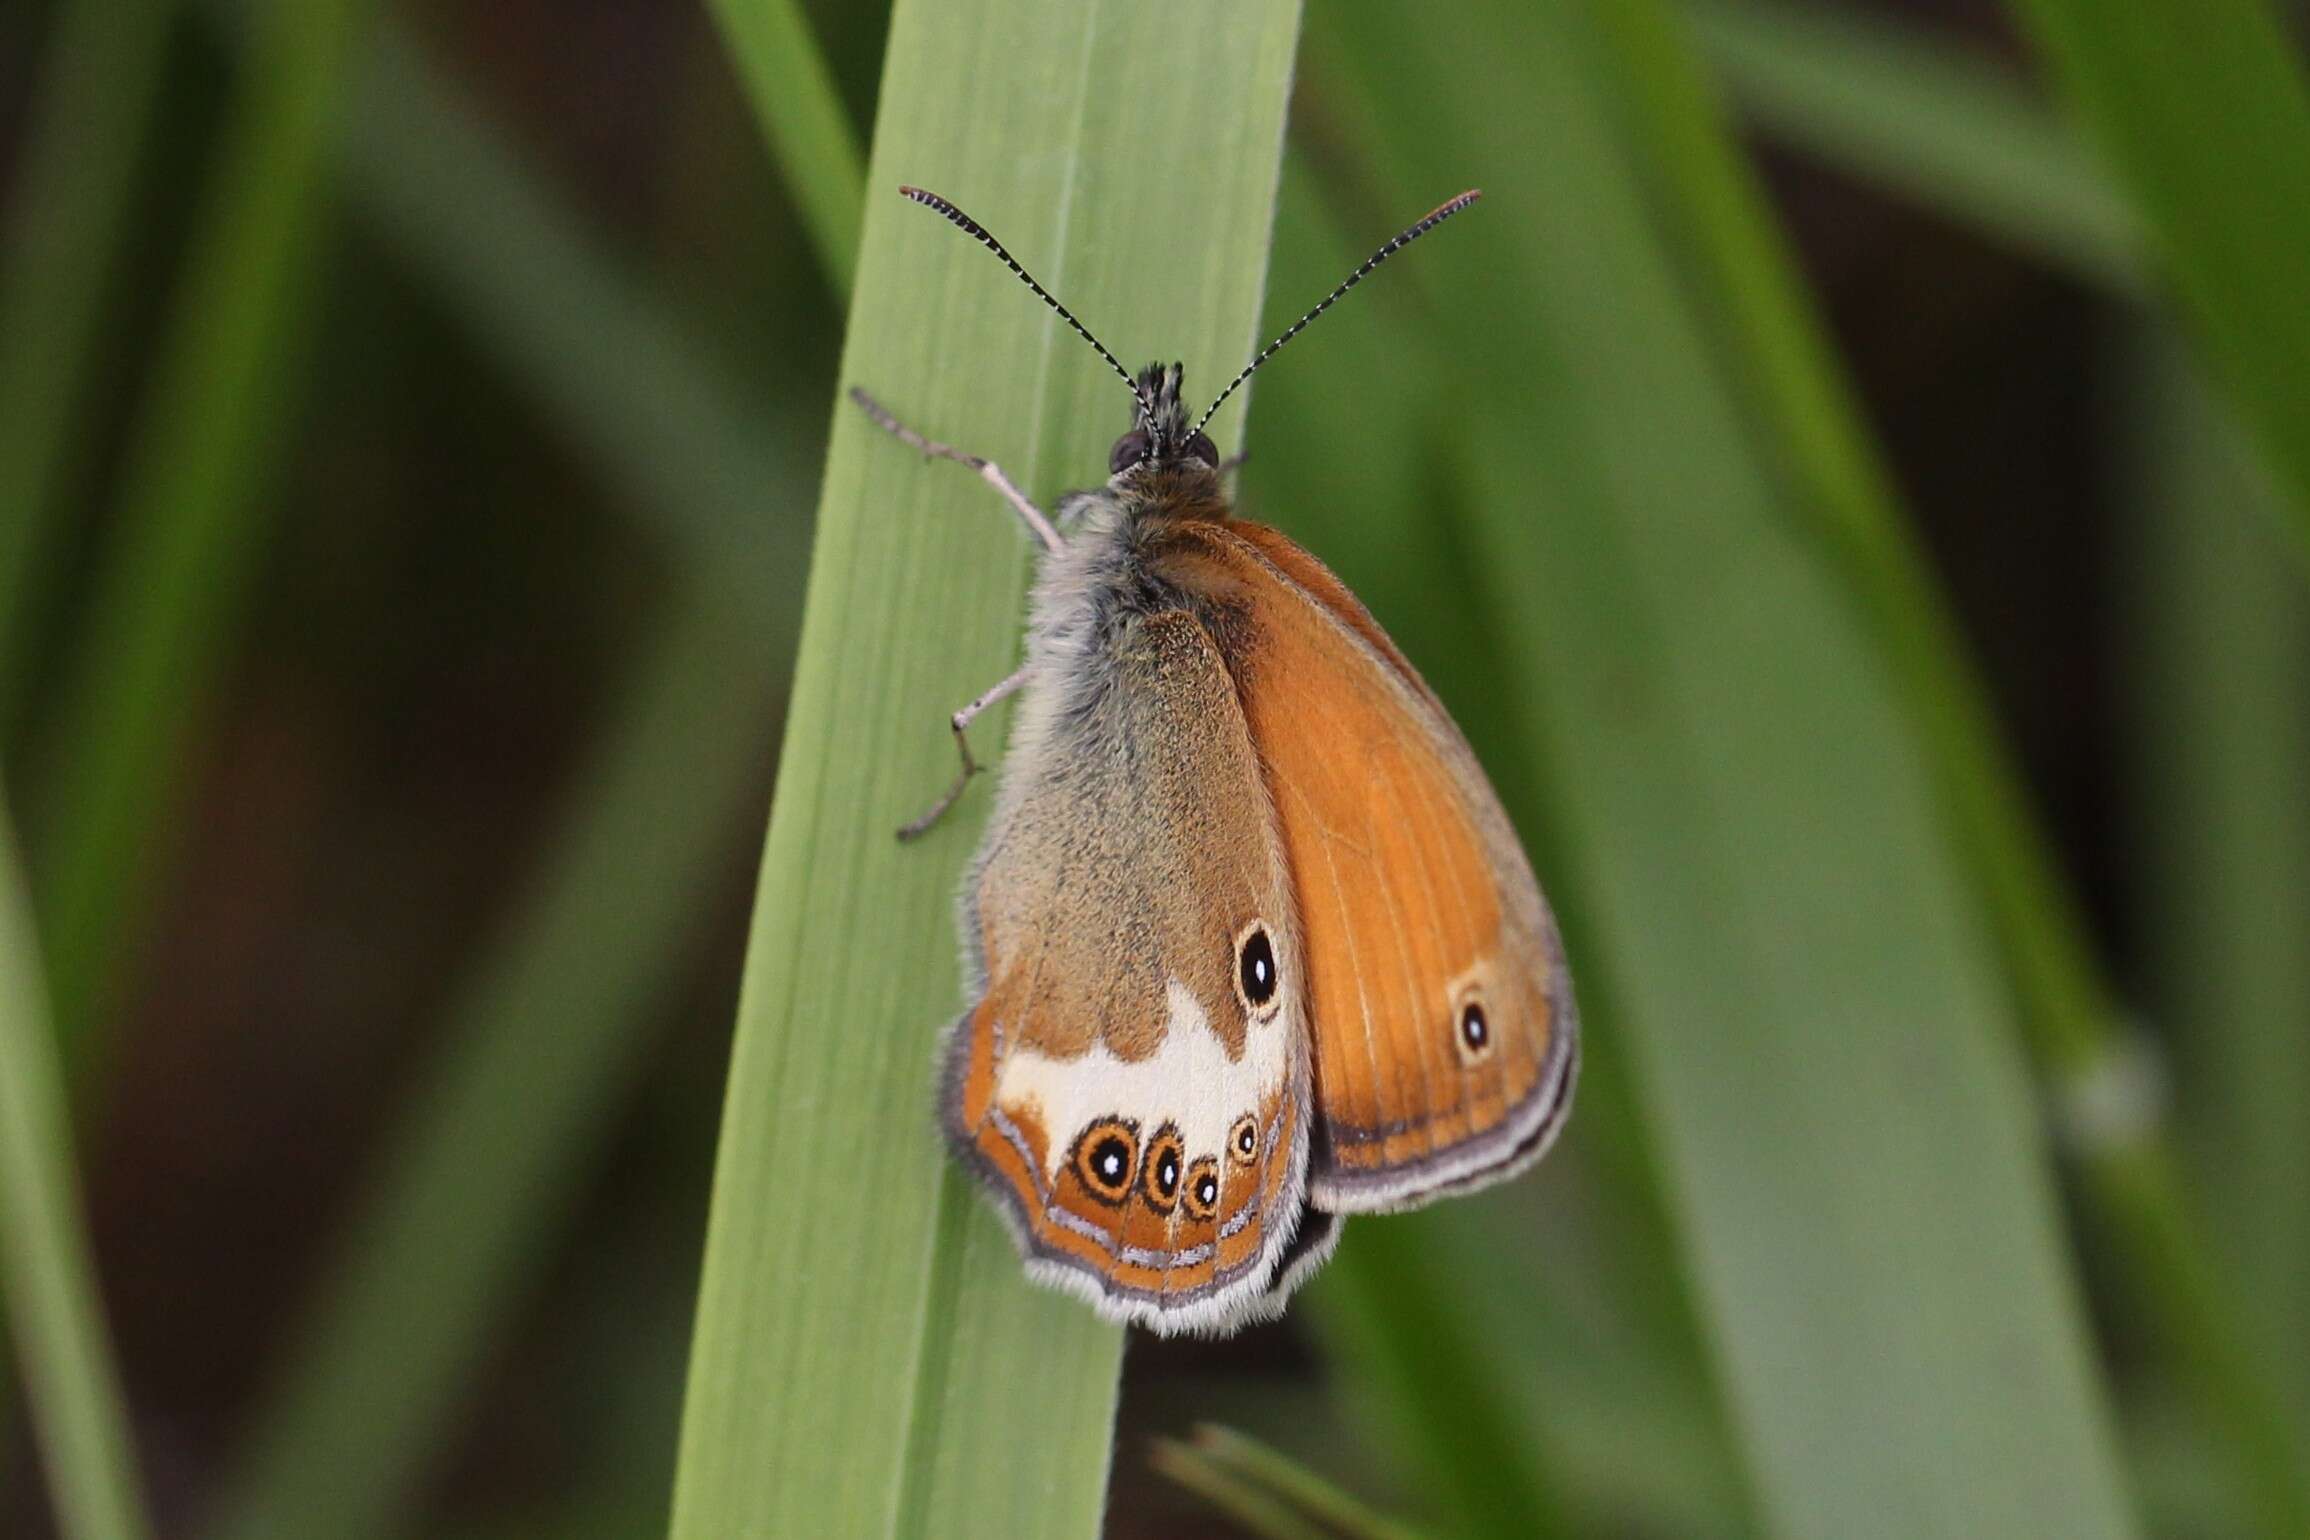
(1162, 434)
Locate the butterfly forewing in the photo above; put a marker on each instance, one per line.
(1441, 1017)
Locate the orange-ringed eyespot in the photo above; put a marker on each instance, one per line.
(1201, 1195)
(1243, 1139)
(1160, 1173)
(1107, 1158)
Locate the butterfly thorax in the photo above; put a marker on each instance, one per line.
(1159, 492)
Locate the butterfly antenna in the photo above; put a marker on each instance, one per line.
(1434, 218)
(978, 232)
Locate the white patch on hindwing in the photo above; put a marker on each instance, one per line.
(1189, 1081)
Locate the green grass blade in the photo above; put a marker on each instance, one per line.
(2202, 111)
(803, 120)
(46, 1273)
(2223, 712)
(99, 80)
(1816, 1025)
(869, 1359)
(1901, 107)
(191, 503)
(2069, 1008)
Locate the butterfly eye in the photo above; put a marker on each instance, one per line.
(1129, 450)
(1201, 447)
(1106, 1158)
(1243, 1139)
(1166, 1161)
(1475, 1031)
(1202, 1196)
(1256, 976)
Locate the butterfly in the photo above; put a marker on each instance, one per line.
(1250, 944)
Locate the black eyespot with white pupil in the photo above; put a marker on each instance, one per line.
(1107, 1158)
(1111, 1159)
(1201, 1199)
(1255, 969)
(1165, 1162)
(1243, 1138)
(1475, 1029)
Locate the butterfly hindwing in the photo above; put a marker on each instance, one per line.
(1131, 1088)
(1442, 1025)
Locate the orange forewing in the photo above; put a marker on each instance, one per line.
(1414, 898)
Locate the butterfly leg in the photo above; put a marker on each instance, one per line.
(970, 767)
(1038, 524)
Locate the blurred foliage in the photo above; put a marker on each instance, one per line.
(2203, 114)
(407, 435)
(191, 503)
(55, 1312)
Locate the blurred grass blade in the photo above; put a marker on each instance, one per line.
(2203, 113)
(1817, 1029)
(191, 495)
(1267, 1494)
(487, 1162)
(1388, 1307)
(869, 1359)
(46, 1273)
(1250, 1507)
(2068, 1007)
(554, 1024)
(1252, 1462)
(690, 450)
(1808, 417)
(803, 120)
(1902, 107)
(2223, 711)
(1553, 1417)
(63, 232)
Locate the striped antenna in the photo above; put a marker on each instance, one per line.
(978, 232)
(1433, 219)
